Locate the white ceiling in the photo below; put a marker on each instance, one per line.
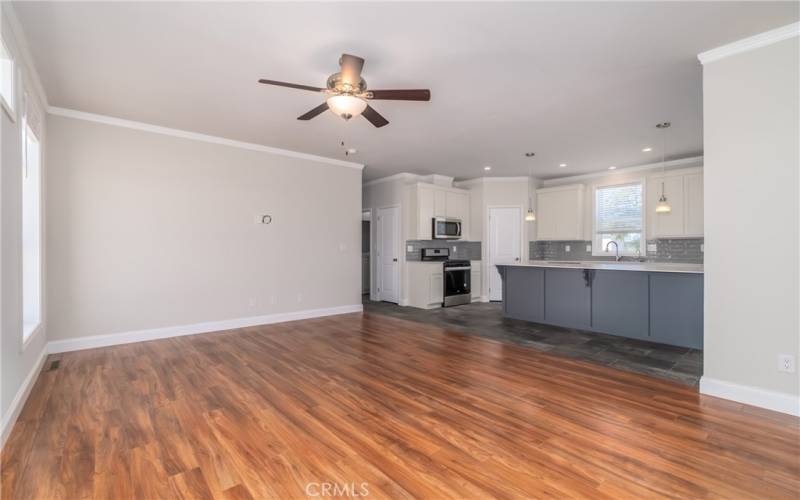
(579, 83)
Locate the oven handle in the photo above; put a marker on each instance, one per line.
(465, 268)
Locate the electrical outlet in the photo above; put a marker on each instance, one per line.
(409, 248)
(566, 248)
(299, 297)
(252, 302)
(702, 248)
(455, 248)
(652, 247)
(786, 363)
(273, 299)
(588, 248)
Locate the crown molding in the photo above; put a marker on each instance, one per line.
(693, 161)
(750, 43)
(184, 134)
(491, 180)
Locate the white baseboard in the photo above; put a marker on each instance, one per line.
(755, 396)
(19, 399)
(56, 346)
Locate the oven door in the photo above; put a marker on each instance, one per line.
(457, 286)
(446, 229)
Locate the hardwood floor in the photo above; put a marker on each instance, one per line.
(379, 405)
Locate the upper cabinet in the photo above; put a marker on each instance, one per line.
(684, 192)
(559, 213)
(429, 201)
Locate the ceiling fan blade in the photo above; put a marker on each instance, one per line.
(351, 69)
(314, 112)
(291, 85)
(402, 95)
(374, 117)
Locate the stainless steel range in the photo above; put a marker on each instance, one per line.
(457, 282)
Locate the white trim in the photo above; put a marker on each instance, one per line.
(691, 161)
(19, 399)
(750, 43)
(755, 396)
(56, 346)
(184, 134)
(21, 44)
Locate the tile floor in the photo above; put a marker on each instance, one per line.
(678, 364)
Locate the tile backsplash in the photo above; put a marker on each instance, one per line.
(687, 250)
(467, 250)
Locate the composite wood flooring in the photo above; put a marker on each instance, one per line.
(366, 401)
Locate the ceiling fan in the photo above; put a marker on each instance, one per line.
(346, 93)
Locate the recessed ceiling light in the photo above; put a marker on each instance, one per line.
(487, 167)
(612, 167)
(562, 165)
(647, 149)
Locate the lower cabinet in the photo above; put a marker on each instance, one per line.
(475, 280)
(568, 297)
(436, 290)
(656, 306)
(524, 294)
(676, 309)
(620, 303)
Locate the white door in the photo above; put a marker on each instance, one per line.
(505, 237)
(388, 238)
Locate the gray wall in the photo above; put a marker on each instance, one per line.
(751, 131)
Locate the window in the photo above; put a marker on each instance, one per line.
(7, 79)
(618, 217)
(31, 232)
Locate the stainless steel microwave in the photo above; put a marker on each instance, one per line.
(445, 228)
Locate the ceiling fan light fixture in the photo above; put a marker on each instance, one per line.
(346, 106)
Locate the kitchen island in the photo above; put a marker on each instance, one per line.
(648, 301)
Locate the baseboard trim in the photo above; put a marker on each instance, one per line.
(95, 341)
(755, 396)
(10, 418)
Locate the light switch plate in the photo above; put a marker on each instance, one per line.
(588, 248)
(702, 247)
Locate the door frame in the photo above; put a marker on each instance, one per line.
(400, 261)
(366, 215)
(485, 275)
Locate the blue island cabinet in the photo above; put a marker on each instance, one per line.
(676, 309)
(663, 307)
(620, 303)
(568, 297)
(523, 294)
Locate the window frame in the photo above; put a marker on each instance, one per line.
(29, 333)
(597, 248)
(10, 107)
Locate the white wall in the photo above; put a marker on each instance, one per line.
(150, 231)
(18, 362)
(752, 221)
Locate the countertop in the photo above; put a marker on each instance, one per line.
(655, 267)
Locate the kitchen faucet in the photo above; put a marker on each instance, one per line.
(616, 247)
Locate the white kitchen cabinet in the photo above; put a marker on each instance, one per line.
(559, 213)
(475, 280)
(693, 192)
(429, 201)
(426, 284)
(684, 192)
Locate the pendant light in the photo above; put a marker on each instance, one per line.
(663, 206)
(530, 216)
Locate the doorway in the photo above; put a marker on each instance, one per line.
(366, 275)
(504, 245)
(388, 244)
